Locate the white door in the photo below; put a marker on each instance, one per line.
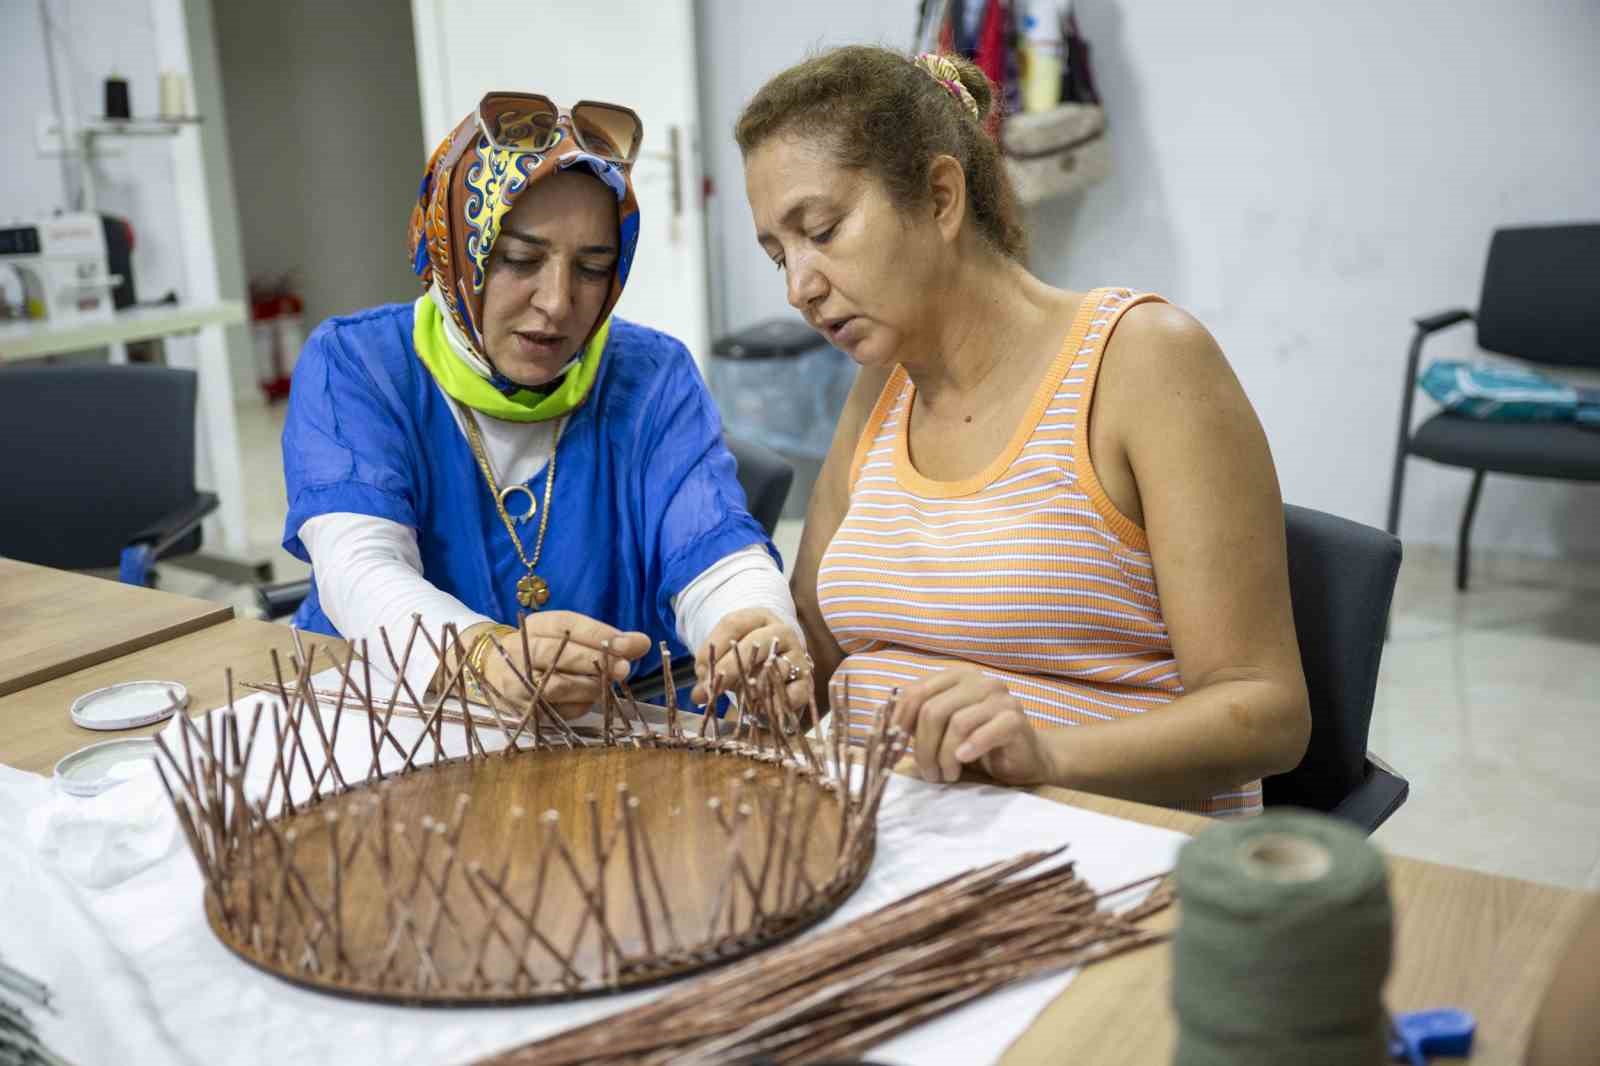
(640, 53)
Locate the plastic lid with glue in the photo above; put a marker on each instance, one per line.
(129, 705)
(90, 771)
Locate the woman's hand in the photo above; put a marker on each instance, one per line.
(753, 632)
(580, 642)
(960, 716)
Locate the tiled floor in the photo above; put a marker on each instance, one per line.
(1488, 702)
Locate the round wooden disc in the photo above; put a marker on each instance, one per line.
(433, 899)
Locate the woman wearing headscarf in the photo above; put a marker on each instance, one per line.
(506, 449)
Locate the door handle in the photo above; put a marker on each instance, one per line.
(673, 157)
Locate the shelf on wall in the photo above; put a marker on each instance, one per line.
(100, 126)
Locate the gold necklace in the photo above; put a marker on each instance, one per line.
(533, 592)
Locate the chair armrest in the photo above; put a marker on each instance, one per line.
(169, 529)
(1427, 325)
(1440, 319)
(283, 598)
(1374, 800)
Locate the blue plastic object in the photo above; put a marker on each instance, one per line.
(1419, 1034)
(136, 562)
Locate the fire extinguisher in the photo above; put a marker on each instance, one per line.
(277, 330)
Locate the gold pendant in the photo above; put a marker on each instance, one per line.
(532, 592)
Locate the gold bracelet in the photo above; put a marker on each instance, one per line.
(475, 658)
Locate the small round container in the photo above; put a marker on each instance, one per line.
(129, 705)
(92, 770)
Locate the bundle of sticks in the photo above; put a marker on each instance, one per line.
(838, 994)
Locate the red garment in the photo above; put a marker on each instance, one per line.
(991, 56)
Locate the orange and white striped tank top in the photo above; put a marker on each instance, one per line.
(1025, 570)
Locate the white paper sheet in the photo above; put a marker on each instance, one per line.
(100, 899)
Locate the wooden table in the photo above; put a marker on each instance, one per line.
(1486, 944)
(53, 622)
(35, 729)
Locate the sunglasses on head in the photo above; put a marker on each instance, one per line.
(526, 122)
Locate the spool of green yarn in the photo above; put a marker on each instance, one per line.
(1282, 946)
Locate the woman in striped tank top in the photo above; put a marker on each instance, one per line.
(1042, 508)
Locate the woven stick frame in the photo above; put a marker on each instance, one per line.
(412, 874)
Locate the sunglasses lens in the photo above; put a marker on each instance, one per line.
(611, 132)
(520, 122)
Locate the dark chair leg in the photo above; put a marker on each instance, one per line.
(1396, 482)
(1463, 546)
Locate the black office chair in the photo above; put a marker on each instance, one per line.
(97, 467)
(1341, 581)
(1540, 303)
(764, 475)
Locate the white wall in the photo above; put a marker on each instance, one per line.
(741, 45)
(325, 133)
(1303, 177)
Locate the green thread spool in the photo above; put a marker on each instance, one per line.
(1282, 946)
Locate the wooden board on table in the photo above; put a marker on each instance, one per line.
(53, 622)
(36, 729)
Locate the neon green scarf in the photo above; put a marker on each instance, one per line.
(464, 384)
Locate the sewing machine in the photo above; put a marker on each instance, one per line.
(62, 265)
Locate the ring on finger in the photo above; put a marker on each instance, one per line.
(795, 672)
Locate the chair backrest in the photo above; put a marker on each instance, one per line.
(1341, 582)
(89, 456)
(1541, 295)
(765, 477)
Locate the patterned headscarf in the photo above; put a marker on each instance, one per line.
(466, 192)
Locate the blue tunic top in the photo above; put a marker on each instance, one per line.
(645, 495)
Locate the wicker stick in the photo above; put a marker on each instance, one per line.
(377, 732)
(492, 909)
(627, 806)
(469, 727)
(661, 892)
(602, 857)
(742, 811)
(331, 737)
(788, 900)
(449, 837)
(374, 744)
(293, 709)
(187, 825)
(535, 690)
(672, 691)
(280, 770)
(537, 694)
(788, 799)
(531, 931)
(725, 884)
(438, 649)
(713, 691)
(646, 735)
(402, 683)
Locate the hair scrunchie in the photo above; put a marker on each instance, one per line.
(942, 70)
